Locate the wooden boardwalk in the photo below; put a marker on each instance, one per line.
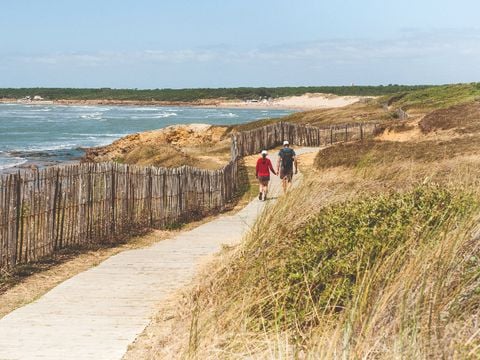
(98, 313)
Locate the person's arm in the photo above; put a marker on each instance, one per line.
(295, 161)
(256, 169)
(271, 167)
(279, 161)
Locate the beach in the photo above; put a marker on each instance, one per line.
(44, 133)
(309, 101)
(48, 134)
(304, 102)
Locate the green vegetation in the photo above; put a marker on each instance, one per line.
(434, 97)
(374, 255)
(317, 267)
(417, 102)
(188, 95)
(389, 273)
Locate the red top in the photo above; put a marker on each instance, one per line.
(264, 166)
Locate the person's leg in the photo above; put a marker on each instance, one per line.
(260, 190)
(282, 178)
(265, 189)
(288, 182)
(290, 179)
(284, 185)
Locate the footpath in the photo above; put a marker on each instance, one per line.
(98, 313)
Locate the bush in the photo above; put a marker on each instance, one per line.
(320, 266)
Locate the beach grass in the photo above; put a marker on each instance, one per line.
(374, 255)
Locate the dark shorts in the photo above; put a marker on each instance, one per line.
(286, 174)
(264, 180)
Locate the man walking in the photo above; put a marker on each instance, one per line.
(286, 160)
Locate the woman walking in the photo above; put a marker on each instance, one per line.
(262, 173)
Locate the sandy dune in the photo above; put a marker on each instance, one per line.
(304, 102)
(307, 101)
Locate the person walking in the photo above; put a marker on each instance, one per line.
(262, 173)
(287, 159)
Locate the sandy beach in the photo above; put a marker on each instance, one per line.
(304, 102)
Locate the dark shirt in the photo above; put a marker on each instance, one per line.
(287, 155)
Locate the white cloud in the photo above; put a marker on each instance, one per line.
(412, 57)
(411, 45)
(106, 57)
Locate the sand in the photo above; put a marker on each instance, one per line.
(309, 101)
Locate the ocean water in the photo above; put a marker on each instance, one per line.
(49, 134)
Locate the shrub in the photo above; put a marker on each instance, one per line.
(319, 268)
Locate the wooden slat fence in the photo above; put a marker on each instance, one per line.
(57, 207)
(270, 136)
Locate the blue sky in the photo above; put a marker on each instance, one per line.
(213, 43)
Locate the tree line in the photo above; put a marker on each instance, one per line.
(194, 94)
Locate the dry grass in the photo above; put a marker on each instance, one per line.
(157, 155)
(420, 300)
(209, 156)
(463, 118)
(202, 146)
(376, 323)
(358, 112)
(379, 153)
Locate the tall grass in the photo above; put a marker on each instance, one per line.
(384, 276)
(375, 256)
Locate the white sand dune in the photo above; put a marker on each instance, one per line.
(308, 101)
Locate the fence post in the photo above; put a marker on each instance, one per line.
(113, 200)
(361, 132)
(18, 218)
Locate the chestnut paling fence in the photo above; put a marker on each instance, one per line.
(42, 212)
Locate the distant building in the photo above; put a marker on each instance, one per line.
(25, 99)
(37, 98)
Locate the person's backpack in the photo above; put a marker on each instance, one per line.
(287, 155)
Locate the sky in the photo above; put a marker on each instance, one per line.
(213, 43)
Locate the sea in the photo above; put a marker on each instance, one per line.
(50, 134)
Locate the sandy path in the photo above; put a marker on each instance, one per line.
(98, 313)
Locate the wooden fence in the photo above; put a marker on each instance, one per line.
(270, 136)
(44, 211)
